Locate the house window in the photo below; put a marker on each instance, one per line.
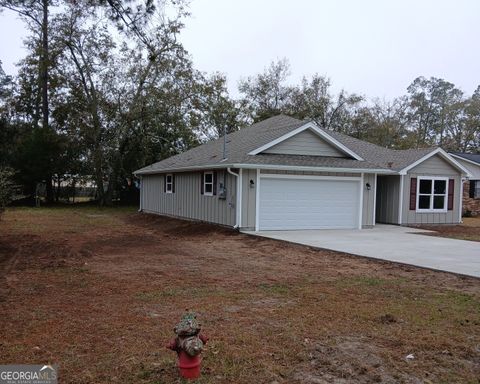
(475, 189)
(208, 183)
(169, 183)
(432, 193)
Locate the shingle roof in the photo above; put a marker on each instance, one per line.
(383, 157)
(240, 143)
(475, 157)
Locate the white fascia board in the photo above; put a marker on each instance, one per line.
(317, 169)
(183, 169)
(308, 177)
(315, 129)
(442, 153)
(272, 167)
(464, 159)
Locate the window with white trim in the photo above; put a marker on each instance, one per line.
(474, 189)
(208, 183)
(169, 183)
(432, 194)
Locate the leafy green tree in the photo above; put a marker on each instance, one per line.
(266, 94)
(468, 138)
(7, 188)
(36, 14)
(383, 123)
(131, 104)
(313, 100)
(37, 155)
(219, 113)
(5, 85)
(434, 105)
(6, 128)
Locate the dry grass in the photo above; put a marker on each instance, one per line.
(473, 222)
(99, 291)
(468, 230)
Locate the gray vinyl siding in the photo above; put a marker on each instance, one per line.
(434, 166)
(249, 196)
(388, 194)
(187, 201)
(472, 168)
(305, 143)
(368, 209)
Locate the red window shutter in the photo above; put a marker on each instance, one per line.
(451, 188)
(164, 182)
(413, 193)
(173, 183)
(202, 181)
(214, 182)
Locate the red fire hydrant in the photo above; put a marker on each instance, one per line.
(188, 344)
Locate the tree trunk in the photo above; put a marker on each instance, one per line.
(108, 197)
(98, 177)
(45, 64)
(74, 183)
(49, 189)
(57, 192)
(44, 60)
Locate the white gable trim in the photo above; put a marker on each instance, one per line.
(442, 153)
(464, 159)
(316, 130)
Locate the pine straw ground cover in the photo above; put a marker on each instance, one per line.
(99, 291)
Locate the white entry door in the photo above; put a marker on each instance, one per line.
(308, 203)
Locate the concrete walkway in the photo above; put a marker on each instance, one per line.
(393, 243)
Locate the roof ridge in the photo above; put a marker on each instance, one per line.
(254, 136)
(379, 146)
(348, 137)
(255, 125)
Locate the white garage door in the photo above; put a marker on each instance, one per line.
(306, 203)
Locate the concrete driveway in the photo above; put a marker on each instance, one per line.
(393, 243)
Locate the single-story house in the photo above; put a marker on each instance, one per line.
(287, 174)
(471, 187)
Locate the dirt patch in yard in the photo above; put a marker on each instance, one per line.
(352, 360)
(99, 291)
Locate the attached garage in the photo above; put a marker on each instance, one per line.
(287, 174)
(308, 202)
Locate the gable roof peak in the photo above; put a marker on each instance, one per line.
(244, 143)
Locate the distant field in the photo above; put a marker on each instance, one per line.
(98, 291)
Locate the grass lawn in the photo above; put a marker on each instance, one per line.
(468, 230)
(98, 291)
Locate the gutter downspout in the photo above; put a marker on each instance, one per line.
(400, 200)
(238, 204)
(460, 208)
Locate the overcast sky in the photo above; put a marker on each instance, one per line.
(372, 47)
